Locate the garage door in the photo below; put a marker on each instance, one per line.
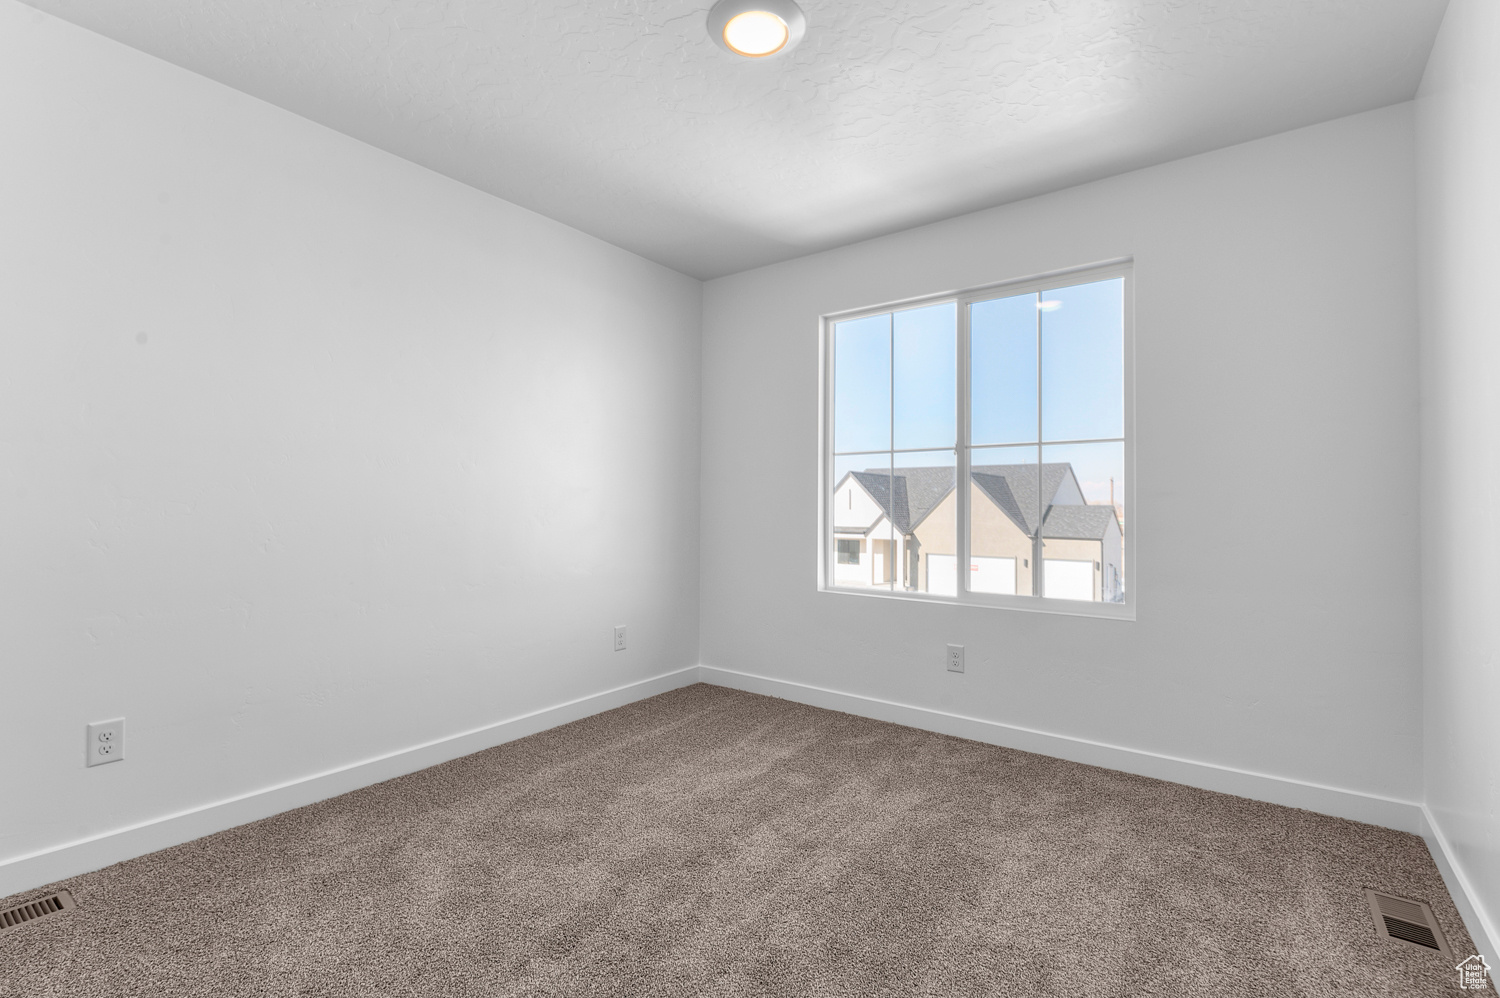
(992, 575)
(942, 574)
(986, 575)
(1068, 579)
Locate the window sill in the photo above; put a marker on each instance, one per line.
(1026, 604)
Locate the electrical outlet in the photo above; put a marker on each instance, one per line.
(620, 638)
(955, 658)
(106, 742)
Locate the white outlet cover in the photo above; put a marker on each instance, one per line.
(955, 658)
(106, 742)
(620, 638)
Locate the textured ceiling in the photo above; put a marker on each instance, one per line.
(621, 118)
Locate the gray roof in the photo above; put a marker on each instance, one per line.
(912, 493)
(1013, 488)
(1084, 523)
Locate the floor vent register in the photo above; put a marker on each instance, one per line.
(1405, 921)
(42, 907)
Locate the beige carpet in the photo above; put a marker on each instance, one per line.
(710, 842)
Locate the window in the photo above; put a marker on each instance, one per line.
(1022, 392)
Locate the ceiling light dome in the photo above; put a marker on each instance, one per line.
(756, 28)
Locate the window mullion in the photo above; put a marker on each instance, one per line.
(890, 483)
(961, 454)
(1036, 541)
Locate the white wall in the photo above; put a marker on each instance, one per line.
(1459, 173)
(1276, 402)
(307, 454)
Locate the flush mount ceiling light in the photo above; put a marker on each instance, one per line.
(756, 28)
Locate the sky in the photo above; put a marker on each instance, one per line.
(913, 405)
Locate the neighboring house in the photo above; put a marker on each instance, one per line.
(873, 518)
(901, 529)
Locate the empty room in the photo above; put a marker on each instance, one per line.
(731, 498)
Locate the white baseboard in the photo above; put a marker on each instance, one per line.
(1476, 919)
(1405, 816)
(33, 870)
(36, 869)
(1388, 812)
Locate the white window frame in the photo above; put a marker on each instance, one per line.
(963, 299)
